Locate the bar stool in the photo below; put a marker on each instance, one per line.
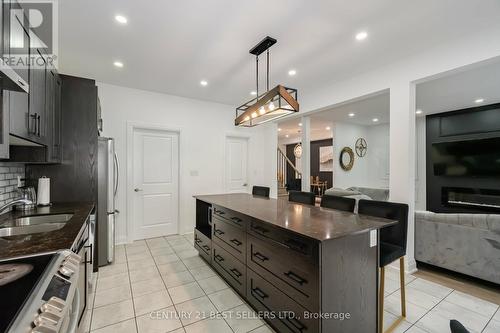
(261, 191)
(339, 203)
(308, 198)
(457, 327)
(392, 246)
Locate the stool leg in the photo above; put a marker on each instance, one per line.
(403, 286)
(381, 301)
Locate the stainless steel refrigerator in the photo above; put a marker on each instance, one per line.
(107, 177)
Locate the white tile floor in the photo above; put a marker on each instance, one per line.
(154, 284)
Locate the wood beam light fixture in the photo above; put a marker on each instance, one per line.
(270, 105)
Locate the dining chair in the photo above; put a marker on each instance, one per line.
(392, 245)
(338, 203)
(261, 191)
(308, 198)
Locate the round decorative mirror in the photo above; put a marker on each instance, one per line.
(346, 158)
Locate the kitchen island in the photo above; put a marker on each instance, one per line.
(303, 268)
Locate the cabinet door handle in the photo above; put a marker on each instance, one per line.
(294, 277)
(236, 219)
(236, 242)
(91, 255)
(218, 231)
(20, 82)
(296, 323)
(218, 257)
(236, 272)
(32, 124)
(259, 293)
(260, 229)
(260, 256)
(38, 121)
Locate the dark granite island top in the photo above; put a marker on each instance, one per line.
(20, 245)
(318, 223)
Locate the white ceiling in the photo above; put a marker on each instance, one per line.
(170, 46)
(460, 90)
(365, 110)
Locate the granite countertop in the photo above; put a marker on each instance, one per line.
(20, 245)
(317, 223)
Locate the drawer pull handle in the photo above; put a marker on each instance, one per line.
(236, 272)
(295, 245)
(260, 293)
(206, 247)
(236, 219)
(260, 229)
(236, 242)
(295, 278)
(198, 241)
(218, 257)
(219, 232)
(220, 212)
(260, 256)
(296, 323)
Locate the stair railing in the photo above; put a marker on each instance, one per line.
(283, 163)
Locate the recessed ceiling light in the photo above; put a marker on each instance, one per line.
(361, 35)
(418, 111)
(375, 120)
(279, 129)
(253, 93)
(121, 19)
(300, 124)
(479, 100)
(351, 114)
(328, 128)
(118, 64)
(203, 83)
(292, 72)
(286, 136)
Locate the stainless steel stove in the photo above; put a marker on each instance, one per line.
(39, 294)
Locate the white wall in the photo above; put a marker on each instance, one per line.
(372, 170)
(203, 127)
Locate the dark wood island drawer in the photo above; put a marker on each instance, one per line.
(266, 297)
(230, 238)
(294, 273)
(203, 244)
(233, 271)
(235, 218)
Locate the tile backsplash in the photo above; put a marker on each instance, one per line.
(8, 180)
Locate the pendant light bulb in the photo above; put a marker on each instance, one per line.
(254, 115)
(247, 118)
(272, 106)
(262, 110)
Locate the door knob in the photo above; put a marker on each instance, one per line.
(138, 189)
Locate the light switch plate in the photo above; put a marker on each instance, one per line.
(373, 238)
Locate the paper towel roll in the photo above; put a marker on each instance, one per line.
(43, 196)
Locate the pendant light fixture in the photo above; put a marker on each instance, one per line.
(272, 104)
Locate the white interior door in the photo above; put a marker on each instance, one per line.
(236, 164)
(156, 183)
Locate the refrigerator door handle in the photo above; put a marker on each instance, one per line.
(117, 174)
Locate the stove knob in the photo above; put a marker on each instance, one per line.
(71, 261)
(70, 265)
(43, 329)
(54, 304)
(66, 271)
(47, 319)
(75, 257)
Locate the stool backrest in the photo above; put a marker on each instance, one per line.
(396, 234)
(339, 203)
(261, 191)
(308, 198)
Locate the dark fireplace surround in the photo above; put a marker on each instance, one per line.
(462, 194)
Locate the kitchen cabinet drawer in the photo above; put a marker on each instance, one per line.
(286, 238)
(237, 219)
(203, 244)
(296, 275)
(229, 237)
(285, 314)
(233, 271)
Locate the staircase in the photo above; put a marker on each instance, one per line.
(282, 169)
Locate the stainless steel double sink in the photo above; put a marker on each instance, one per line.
(26, 225)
